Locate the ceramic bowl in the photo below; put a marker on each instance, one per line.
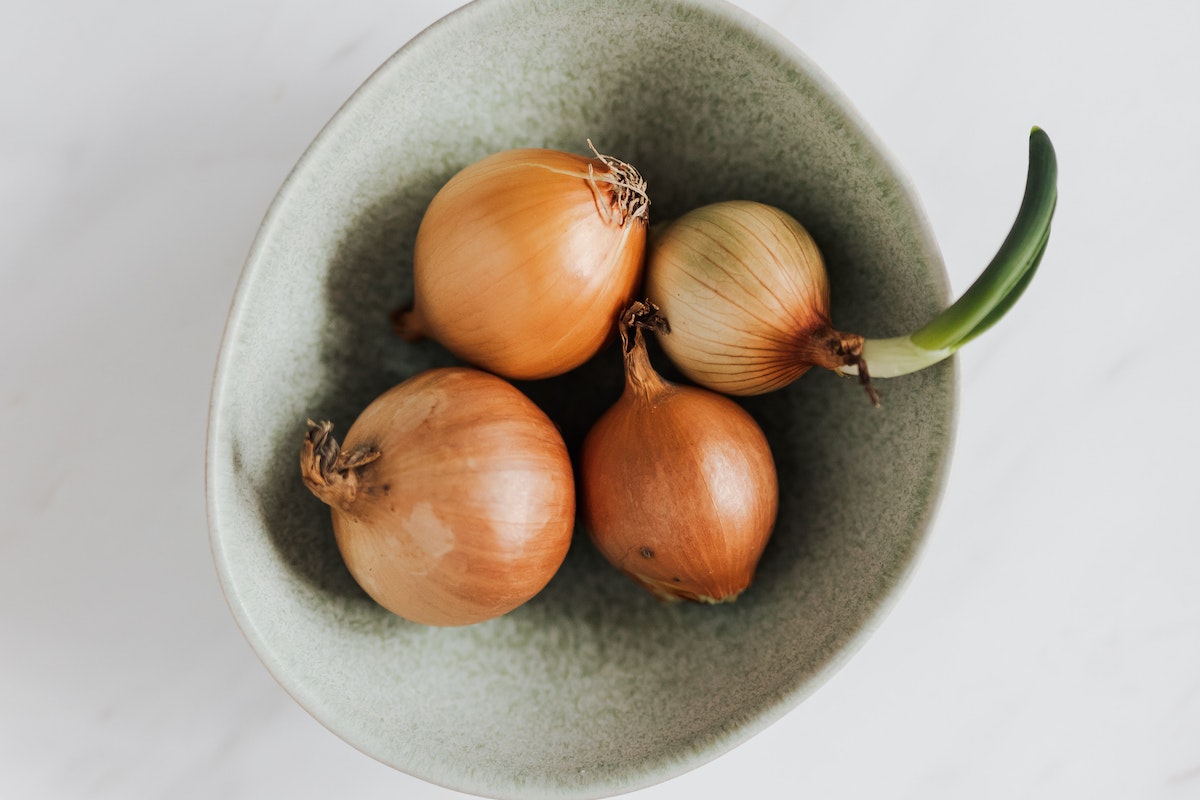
(593, 688)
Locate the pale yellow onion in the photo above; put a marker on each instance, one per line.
(452, 496)
(746, 293)
(524, 260)
(677, 484)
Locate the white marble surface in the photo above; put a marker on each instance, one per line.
(1048, 644)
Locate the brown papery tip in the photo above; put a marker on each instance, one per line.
(642, 315)
(864, 379)
(639, 373)
(327, 470)
(833, 349)
(630, 198)
(408, 323)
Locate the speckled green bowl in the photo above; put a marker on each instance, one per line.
(593, 688)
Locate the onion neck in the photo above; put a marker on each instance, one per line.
(891, 358)
(841, 352)
(629, 197)
(328, 471)
(640, 376)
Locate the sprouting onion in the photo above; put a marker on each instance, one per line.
(747, 295)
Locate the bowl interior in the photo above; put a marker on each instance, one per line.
(593, 688)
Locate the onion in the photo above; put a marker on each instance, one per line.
(524, 260)
(452, 496)
(677, 483)
(745, 289)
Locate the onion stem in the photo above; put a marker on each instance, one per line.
(993, 293)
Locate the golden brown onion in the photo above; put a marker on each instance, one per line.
(524, 260)
(452, 496)
(678, 486)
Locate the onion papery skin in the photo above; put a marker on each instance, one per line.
(678, 488)
(524, 260)
(745, 290)
(463, 506)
